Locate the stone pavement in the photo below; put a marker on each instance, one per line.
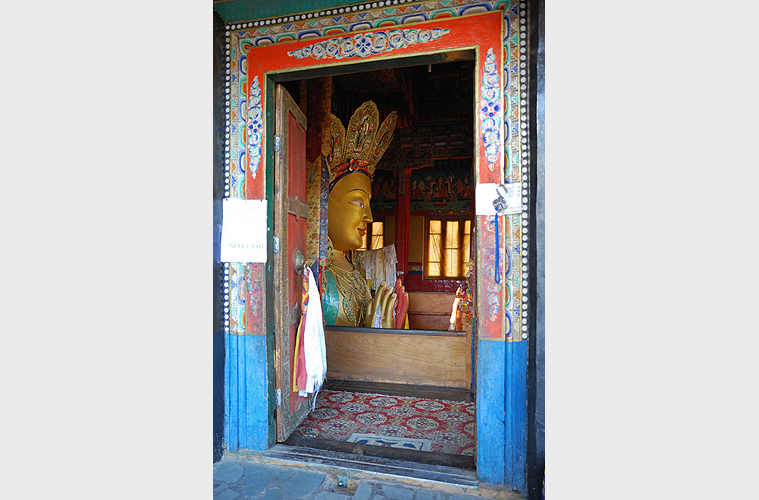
(244, 480)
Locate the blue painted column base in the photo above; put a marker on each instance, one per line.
(490, 411)
(246, 395)
(502, 412)
(516, 415)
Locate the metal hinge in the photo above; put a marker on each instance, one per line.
(276, 143)
(276, 244)
(278, 396)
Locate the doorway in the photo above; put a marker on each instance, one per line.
(407, 393)
(255, 64)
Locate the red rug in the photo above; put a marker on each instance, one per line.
(449, 426)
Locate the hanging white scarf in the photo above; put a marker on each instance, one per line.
(313, 341)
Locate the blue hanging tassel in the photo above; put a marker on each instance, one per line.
(497, 252)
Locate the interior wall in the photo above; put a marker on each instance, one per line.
(416, 239)
(390, 230)
(432, 155)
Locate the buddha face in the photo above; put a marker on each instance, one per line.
(349, 211)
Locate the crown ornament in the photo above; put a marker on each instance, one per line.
(359, 147)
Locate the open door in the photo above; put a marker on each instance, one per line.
(290, 213)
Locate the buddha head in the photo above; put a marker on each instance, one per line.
(352, 156)
(349, 211)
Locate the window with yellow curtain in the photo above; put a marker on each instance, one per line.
(447, 242)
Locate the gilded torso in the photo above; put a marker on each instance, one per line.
(344, 297)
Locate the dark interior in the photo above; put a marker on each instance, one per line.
(432, 147)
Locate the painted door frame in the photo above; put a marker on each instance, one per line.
(499, 396)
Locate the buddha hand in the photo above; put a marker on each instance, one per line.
(401, 305)
(381, 306)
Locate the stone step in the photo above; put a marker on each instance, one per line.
(376, 465)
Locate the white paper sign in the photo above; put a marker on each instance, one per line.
(243, 230)
(508, 199)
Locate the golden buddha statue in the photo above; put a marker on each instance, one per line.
(352, 157)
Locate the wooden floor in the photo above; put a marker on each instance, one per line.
(417, 391)
(422, 457)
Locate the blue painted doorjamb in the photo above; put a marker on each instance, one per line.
(501, 412)
(516, 414)
(246, 393)
(490, 413)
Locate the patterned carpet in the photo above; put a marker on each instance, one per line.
(448, 426)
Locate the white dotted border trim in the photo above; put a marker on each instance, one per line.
(227, 117)
(524, 132)
(316, 14)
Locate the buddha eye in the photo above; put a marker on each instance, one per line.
(358, 203)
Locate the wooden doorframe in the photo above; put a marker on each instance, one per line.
(272, 79)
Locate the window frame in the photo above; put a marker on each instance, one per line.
(463, 259)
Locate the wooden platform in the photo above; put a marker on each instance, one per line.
(430, 310)
(417, 357)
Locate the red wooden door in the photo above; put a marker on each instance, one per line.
(290, 212)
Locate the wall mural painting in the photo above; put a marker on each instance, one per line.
(237, 121)
(489, 276)
(255, 127)
(514, 77)
(489, 110)
(436, 189)
(243, 146)
(235, 165)
(237, 299)
(245, 307)
(384, 191)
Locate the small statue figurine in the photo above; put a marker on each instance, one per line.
(346, 298)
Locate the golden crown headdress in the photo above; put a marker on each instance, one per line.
(360, 147)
